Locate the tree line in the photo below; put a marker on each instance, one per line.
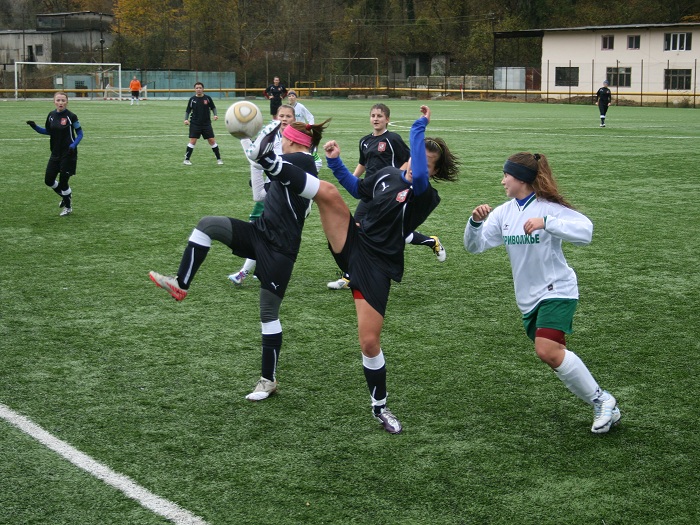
(307, 39)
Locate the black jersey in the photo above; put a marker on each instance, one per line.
(199, 110)
(387, 149)
(61, 128)
(285, 212)
(603, 96)
(394, 212)
(276, 93)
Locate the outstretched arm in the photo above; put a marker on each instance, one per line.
(36, 128)
(346, 179)
(419, 161)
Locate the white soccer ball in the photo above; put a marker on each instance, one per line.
(243, 120)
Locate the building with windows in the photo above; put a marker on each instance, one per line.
(642, 62)
(58, 37)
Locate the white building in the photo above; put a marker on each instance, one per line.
(642, 62)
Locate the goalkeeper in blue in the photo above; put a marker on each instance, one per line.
(532, 225)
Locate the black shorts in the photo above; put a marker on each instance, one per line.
(66, 163)
(365, 270)
(273, 269)
(206, 131)
(135, 94)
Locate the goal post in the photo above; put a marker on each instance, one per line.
(96, 71)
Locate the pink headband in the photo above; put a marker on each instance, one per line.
(297, 136)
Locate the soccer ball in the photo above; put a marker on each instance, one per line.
(243, 120)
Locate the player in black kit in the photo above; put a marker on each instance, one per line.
(372, 251)
(200, 107)
(380, 149)
(603, 98)
(275, 92)
(66, 133)
(272, 240)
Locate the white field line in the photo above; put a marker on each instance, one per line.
(145, 498)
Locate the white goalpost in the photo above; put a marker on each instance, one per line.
(99, 69)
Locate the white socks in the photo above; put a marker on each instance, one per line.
(575, 375)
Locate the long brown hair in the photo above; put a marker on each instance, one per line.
(447, 164)
(544, 184)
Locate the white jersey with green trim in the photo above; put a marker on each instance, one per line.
(540, 270)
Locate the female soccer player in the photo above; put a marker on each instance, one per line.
(198, 115)
(65, 132)
(272, 240)
(380, 149)
(372, 250)
(532, 226)
(285, 116)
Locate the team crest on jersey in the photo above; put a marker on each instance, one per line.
(381, 147)
(401, 196)
(64, 121)
(206, 102)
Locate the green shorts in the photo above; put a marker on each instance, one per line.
(557, 314)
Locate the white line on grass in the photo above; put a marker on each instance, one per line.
(145, 498)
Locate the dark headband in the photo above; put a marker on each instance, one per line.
(519, 171)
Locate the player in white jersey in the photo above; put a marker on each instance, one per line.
(301, 114)
(532, 226)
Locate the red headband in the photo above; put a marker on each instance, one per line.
(297, 136)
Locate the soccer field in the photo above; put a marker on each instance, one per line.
(100, 359)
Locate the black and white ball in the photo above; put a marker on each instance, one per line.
(243, 120)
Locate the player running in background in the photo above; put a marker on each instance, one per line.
(65, 132)
(200, 107)
(285, 116)
(603, 98)
(532, 226)
(373, 250)
(272, 240)
(275, 92)
(379, 149)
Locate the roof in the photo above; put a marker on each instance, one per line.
(540, 32)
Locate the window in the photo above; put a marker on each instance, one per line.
(608, 43)
(566, 76)
(677, 78)
(633, 41)
(619, 76)
(39, 50)
(677, 41)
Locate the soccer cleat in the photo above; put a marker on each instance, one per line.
(169, 284)
(219, 162)
(237, 278)
(264, 143)
(605, 414)
(263, 389)
(187, 162)
(65, 211)
(388, 420)
(602, 125)
(439, 249)
(341, 284)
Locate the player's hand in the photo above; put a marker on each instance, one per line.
(481, 212)
(425, 110)
(31, 123)
(187, 122)
(71, 150)
(332, 149)
(535, 223)
(216, 117)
